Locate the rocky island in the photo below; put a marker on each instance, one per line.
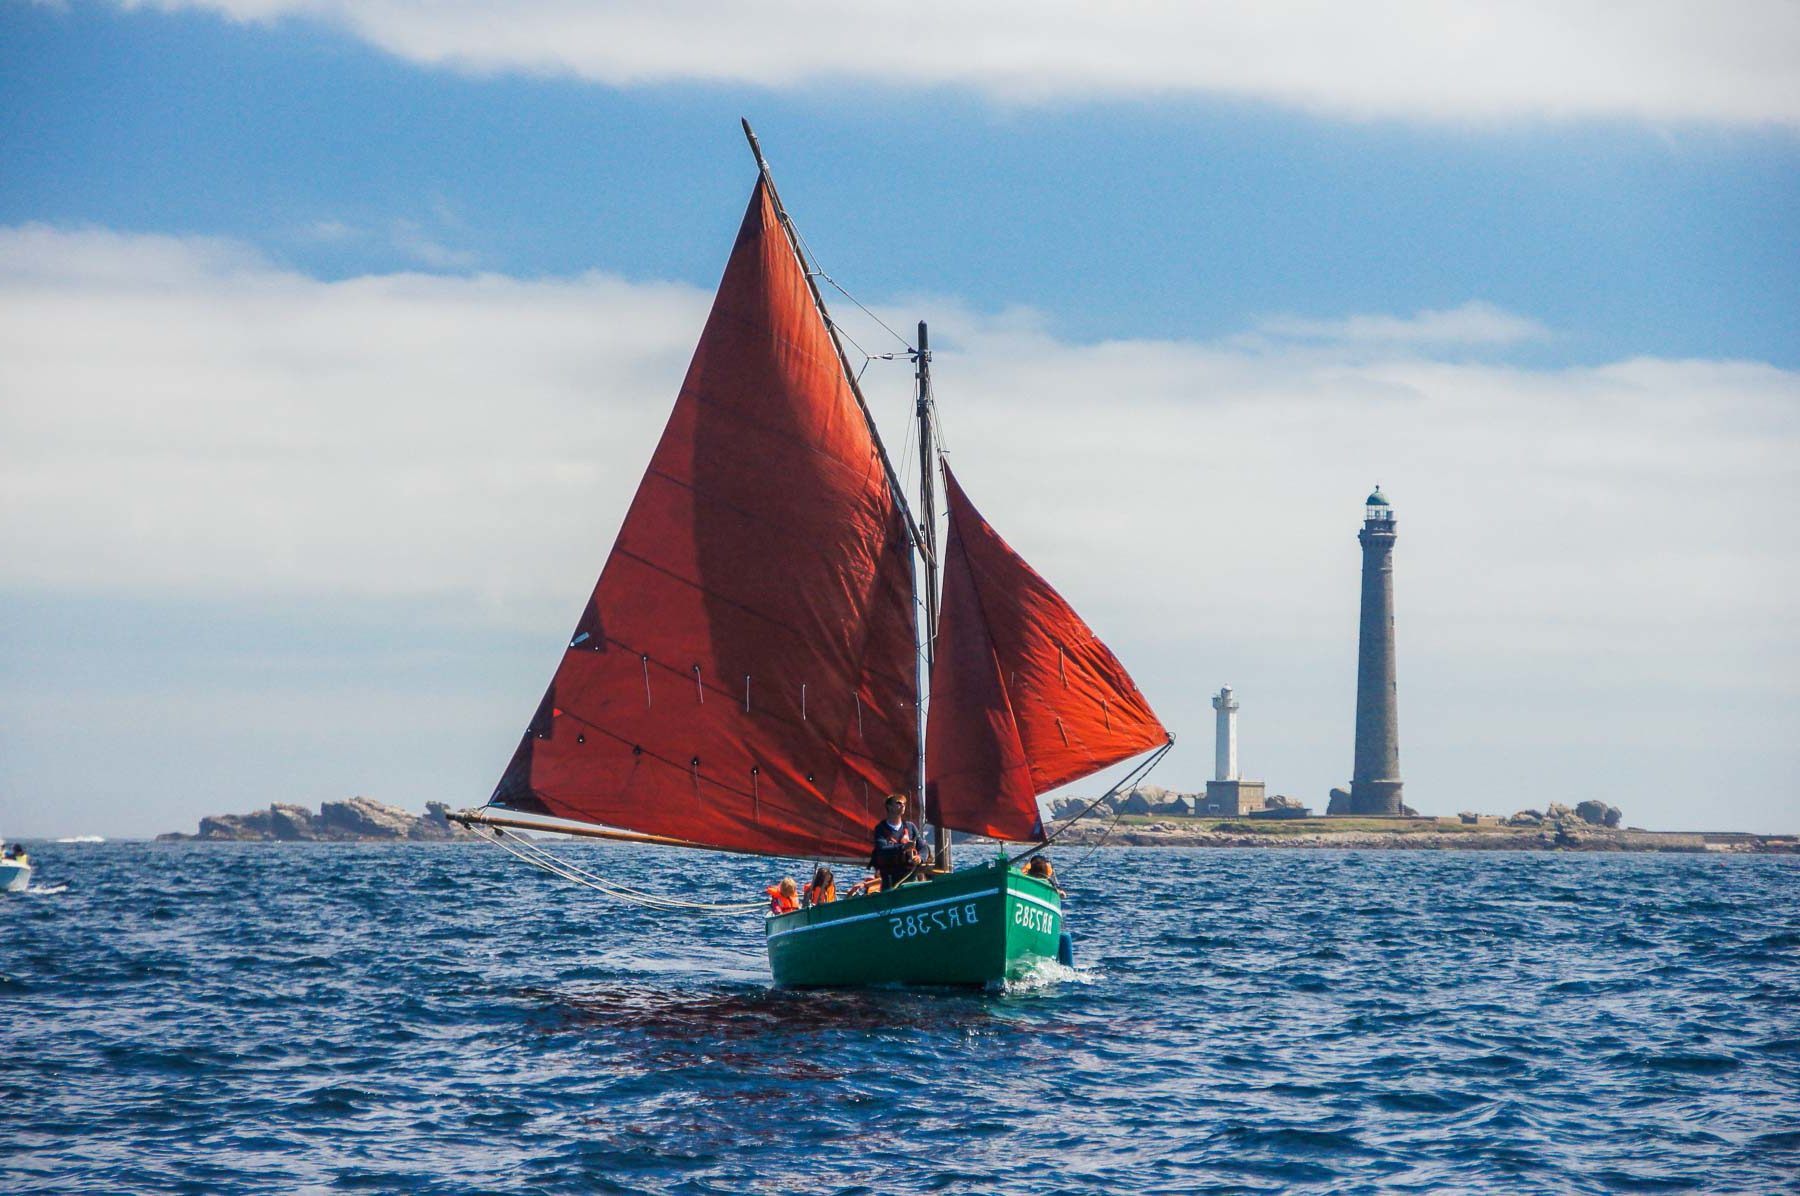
(353, 820)
(1158, 818)
(1149, 817)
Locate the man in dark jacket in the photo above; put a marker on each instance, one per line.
(898, 844)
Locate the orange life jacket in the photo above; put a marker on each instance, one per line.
(779, 903)
(820, 894)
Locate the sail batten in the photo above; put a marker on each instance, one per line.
(1024, 696)
(764, 568)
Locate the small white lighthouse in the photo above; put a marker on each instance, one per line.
(1228, 794)
(1225, 766)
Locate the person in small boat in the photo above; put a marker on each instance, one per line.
(16, 854)
(864, 888)
(784, 898)
(897, 844)
(822, 888)
(1041, 869)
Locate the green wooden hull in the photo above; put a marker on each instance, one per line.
(977, 927)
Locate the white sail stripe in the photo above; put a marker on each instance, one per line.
(900, 910)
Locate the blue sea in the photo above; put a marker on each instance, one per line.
(226, 1018)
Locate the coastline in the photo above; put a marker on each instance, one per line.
(1407, 834)
(363, 820)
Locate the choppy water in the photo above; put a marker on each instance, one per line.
(226, 1018)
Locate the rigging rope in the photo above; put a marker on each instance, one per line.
(525, 849)
(1132, 778)
(1112, 824)
(839, 330)
(839, 288)
(809, 261)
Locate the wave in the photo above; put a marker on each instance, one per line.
(392, 1018)
(1047, 973)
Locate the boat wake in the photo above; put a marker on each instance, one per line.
(1047, 973)
(46, 890)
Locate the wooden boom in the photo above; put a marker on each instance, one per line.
(476, 818)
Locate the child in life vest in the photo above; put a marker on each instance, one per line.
(822, 888)
(784, 898)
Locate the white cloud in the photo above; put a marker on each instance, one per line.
(1472, 324)
(329, 231)
(1659, 60)
(185, 417)
(1596, 564)
(412, 240)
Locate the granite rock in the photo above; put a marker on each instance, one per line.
(363, 818)
(231, 828)
(435, 825)
(1135, 803)
(1598, 813)
(357, 819)
(290, 823)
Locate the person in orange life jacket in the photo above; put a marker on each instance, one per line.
(784, 898)
(897, 844)
(1040, 868)
(864, 887)
(822, 888)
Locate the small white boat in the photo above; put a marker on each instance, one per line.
(15, 875)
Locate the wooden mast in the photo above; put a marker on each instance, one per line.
(940, 836)
(923, 539)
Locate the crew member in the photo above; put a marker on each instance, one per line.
(784, 898)
(1041, 869)
(897, 844)
(822, 888)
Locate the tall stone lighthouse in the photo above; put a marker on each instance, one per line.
(1375, 781)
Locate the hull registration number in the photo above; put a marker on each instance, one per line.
(933, 921)
(1033, 918)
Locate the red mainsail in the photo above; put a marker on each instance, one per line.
(1024, 697)
(744, 674)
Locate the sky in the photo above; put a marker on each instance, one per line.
(334, 338)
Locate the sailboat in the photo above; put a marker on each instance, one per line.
(749, 673)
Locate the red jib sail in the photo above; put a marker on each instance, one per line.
(743, 675)
(1023, 696)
